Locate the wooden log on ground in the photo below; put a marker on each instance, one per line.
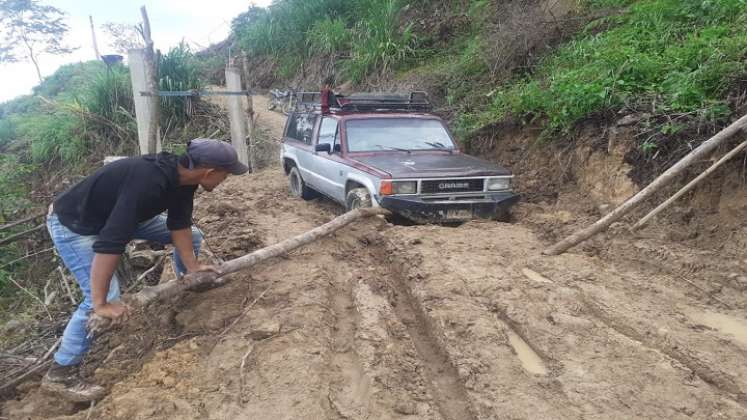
(172, 288)
(664, 179)
(690, 185)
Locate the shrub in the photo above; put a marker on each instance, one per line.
(69, 79)
(108, 98)
(177, 72)
(54, 137)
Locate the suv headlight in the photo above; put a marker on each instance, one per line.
(405, 187)
(499, 184)
(398, 187)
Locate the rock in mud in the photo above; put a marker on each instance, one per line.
(406, 407)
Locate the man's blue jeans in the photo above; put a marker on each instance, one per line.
(77, 253)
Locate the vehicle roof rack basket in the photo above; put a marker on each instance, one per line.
(369, 102)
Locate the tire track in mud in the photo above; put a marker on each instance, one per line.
(721, 382)
(445, 385)
(349, 387)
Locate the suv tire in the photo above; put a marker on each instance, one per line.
(358, 198)
(298, 188)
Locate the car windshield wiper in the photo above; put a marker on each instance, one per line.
(439, 145)
(399, 149)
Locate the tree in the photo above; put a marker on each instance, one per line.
(125, 36)
(28, 29)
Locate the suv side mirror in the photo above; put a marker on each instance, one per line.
(324, 147)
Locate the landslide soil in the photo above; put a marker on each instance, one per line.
(380, 321)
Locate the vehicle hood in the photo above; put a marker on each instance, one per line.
(431, 165)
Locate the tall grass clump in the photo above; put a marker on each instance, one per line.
(662, 56)
(177, 71)
(366, 32)
(329, 36)
(55, 137)
(379, 44)
(108, 100)
(281, 30)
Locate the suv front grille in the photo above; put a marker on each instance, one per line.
(446, 186)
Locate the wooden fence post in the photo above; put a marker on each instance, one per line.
(236, 114)
(250, 116)
(144, 76)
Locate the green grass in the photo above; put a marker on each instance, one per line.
(664, 56)
(294, 31)
(177, 71)
(379, 44)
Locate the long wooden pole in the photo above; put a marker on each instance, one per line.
(702, 151)
(171, 288)
(249, 115)
(93, 36)
(236, 114)
(690, 185)
(151, 80)
(23, 234)
(22, 221)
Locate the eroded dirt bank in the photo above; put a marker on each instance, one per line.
(427, 322)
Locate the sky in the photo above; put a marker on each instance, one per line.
(198, 22)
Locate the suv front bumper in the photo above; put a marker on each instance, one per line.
(445, 209)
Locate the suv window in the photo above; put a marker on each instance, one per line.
(328, 131)
(301, 127)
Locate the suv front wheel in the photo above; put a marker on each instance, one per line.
(357, 198)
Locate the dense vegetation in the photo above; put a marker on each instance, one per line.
(367, 33)
(665, 56)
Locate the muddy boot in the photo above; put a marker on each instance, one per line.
(66, 382)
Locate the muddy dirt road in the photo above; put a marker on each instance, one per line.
(426, 322)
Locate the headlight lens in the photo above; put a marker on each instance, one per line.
(499, 184)
(405, 187)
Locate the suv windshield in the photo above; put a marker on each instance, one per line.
(403, 134)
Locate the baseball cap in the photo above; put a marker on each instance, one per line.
(214, 154)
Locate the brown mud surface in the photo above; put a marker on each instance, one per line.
(429, 322)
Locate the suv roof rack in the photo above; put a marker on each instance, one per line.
(368, 102)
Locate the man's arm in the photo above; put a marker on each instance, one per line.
(182, 240)
(102, 271)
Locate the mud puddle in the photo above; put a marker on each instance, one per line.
(529, 359)
(725, 324)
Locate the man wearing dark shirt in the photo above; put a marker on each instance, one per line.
(92, 222)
